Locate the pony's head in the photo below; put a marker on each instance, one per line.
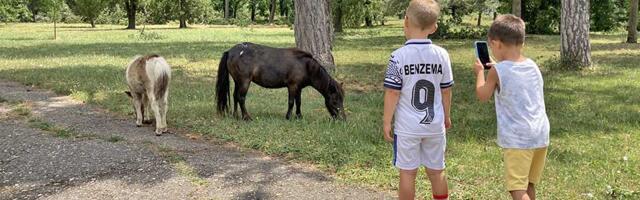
(335, 100)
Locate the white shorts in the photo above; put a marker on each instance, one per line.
(409, 152)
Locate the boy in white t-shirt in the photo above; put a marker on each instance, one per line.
(523, 126)
(418, 93)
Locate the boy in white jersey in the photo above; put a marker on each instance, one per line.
(418, 93)
(523, 127)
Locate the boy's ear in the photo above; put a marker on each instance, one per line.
(435, 28)
(128, 94)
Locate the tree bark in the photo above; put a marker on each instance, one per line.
(226, 9)
(574, 34)
(479, 18)
(93, 23)
(495, 15)
(313, 30)
(131, 6)
(516, 8)
(632, 27)
(272, 11)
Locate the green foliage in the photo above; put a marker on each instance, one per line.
(608, 15)
(14, 11)
(195, 11)
(89, 10)
(113, 14)
(448, 30)
(358, 12)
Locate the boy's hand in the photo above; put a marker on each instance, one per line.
(387, 133)
(447, 122)
(478, 67)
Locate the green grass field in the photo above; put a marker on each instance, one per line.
(594, 114)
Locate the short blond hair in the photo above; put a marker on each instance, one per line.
(508, 29)
(423, 13)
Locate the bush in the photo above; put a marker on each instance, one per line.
(447, 29)
(14, 11)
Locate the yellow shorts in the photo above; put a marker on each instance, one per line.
(523, 166)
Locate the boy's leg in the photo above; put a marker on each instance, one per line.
(519, 195)
(407, 184)
(433, 149)
(407, 160)
(537, 166)
(531, 191)
(439, 186)
(517, 165)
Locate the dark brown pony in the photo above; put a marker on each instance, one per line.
(275, 68)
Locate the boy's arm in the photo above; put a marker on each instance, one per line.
(391, 98)
(392, 87)
(446, 102)
(485, 88)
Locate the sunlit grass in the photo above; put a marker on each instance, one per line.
(594, 113)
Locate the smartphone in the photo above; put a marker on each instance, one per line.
(482, 53)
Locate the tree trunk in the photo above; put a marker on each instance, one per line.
(574, 34)
(183, 13)
(495, 15)
(272, 11)
(93, 23)
(479, 18)
(253, 10)
(516, 8)
(367, 21)
(283, 8)
(226, 9)
(632, 27)
(313, 30)
(131, 6)
(337, 19)
(183, 22)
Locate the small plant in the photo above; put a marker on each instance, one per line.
(115, 138)
(21, 110)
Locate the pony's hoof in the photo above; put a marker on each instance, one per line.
(138, 125)
(247, 118)
(147, 121)
(298, 116)
(158, 133)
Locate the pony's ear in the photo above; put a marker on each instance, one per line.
(333, 88)
(128, 94)
(341, 84)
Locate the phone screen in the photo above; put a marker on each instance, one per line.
(483, 53)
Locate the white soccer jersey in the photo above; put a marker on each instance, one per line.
(419, 70)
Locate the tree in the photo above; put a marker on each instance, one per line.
(89, 10)
(35, 6)
(632, 27)
(516, 6)
(253, 10)
(226, 9)
(14, 11)
(485, 6)
(272, 11)
(185, 11)
(132, 7)
(574, 35)
(313, 30)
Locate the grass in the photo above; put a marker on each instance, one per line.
(56, 130)
(594, 113)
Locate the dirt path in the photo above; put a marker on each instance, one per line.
(53, 147)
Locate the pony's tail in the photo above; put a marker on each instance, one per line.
(222, 85)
